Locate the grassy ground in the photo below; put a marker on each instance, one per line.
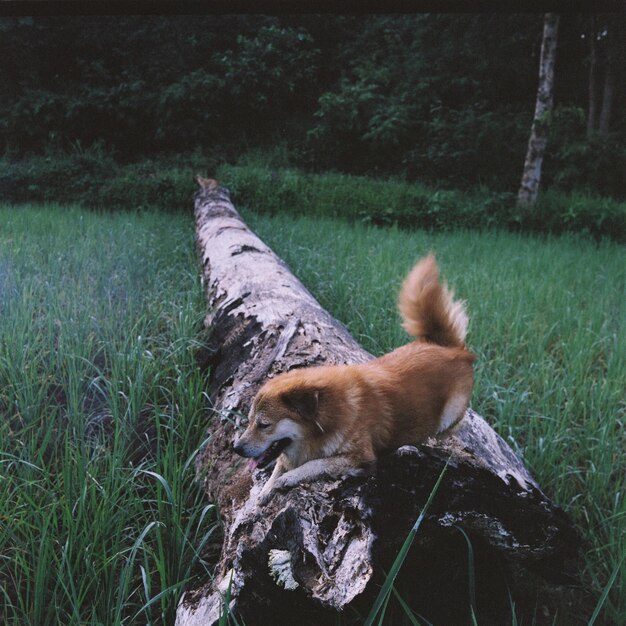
(103, 408)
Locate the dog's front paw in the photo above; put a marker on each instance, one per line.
(266, 494)
(282, 483)
(269, 489)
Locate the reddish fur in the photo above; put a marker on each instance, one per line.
(349, 414)
(427, 307)
(381, 405)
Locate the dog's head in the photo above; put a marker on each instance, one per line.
(281, 419)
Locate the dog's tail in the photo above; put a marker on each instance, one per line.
(428, 309)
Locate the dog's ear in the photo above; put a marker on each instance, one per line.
(304, 401)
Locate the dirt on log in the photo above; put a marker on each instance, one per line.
(490, 538)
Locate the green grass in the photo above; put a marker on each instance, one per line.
(103, 408)
(102, 411)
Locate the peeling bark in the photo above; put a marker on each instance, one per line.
(322, 547)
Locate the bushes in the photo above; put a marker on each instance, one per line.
(55, 177)
(406, 205)
(372, 201)
(147, 186)
(576, 162)
(94, 179)
(556, 212)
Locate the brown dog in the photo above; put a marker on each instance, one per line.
(333, 419)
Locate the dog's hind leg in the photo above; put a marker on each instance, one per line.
(452, 414)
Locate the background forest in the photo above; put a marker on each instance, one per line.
(446, 100)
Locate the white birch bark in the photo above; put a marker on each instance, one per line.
(531, 176)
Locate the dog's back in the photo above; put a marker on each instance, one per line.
(430, 380)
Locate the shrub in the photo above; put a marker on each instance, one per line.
(55, 177)
(576, 162)
(407, 205)
(93, 179)
(146, 186)
(557, 212)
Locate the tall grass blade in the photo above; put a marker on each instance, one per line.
(162, 481)
(405, 607)
(470, 574)
(605, 593)
(385, 590)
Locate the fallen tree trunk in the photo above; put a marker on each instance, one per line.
(321, 547)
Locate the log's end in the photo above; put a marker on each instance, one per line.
(210, 190)
(207, 183)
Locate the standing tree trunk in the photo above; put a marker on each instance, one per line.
(322, 547)
(593, 71)
(615, 60)
(531, 177)
(607, 98)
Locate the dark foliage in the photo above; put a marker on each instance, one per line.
(445, 99)
(94, 180)
(410, 205)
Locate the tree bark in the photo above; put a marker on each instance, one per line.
(607, 99)
(531, 176)
(614, 62)
(320, 548)
(593, 70)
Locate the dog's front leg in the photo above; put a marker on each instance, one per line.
(333, 466)
(266, 492)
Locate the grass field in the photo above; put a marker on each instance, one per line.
(102, 411)
(103, 408)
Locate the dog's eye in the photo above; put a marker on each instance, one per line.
(262, 425)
